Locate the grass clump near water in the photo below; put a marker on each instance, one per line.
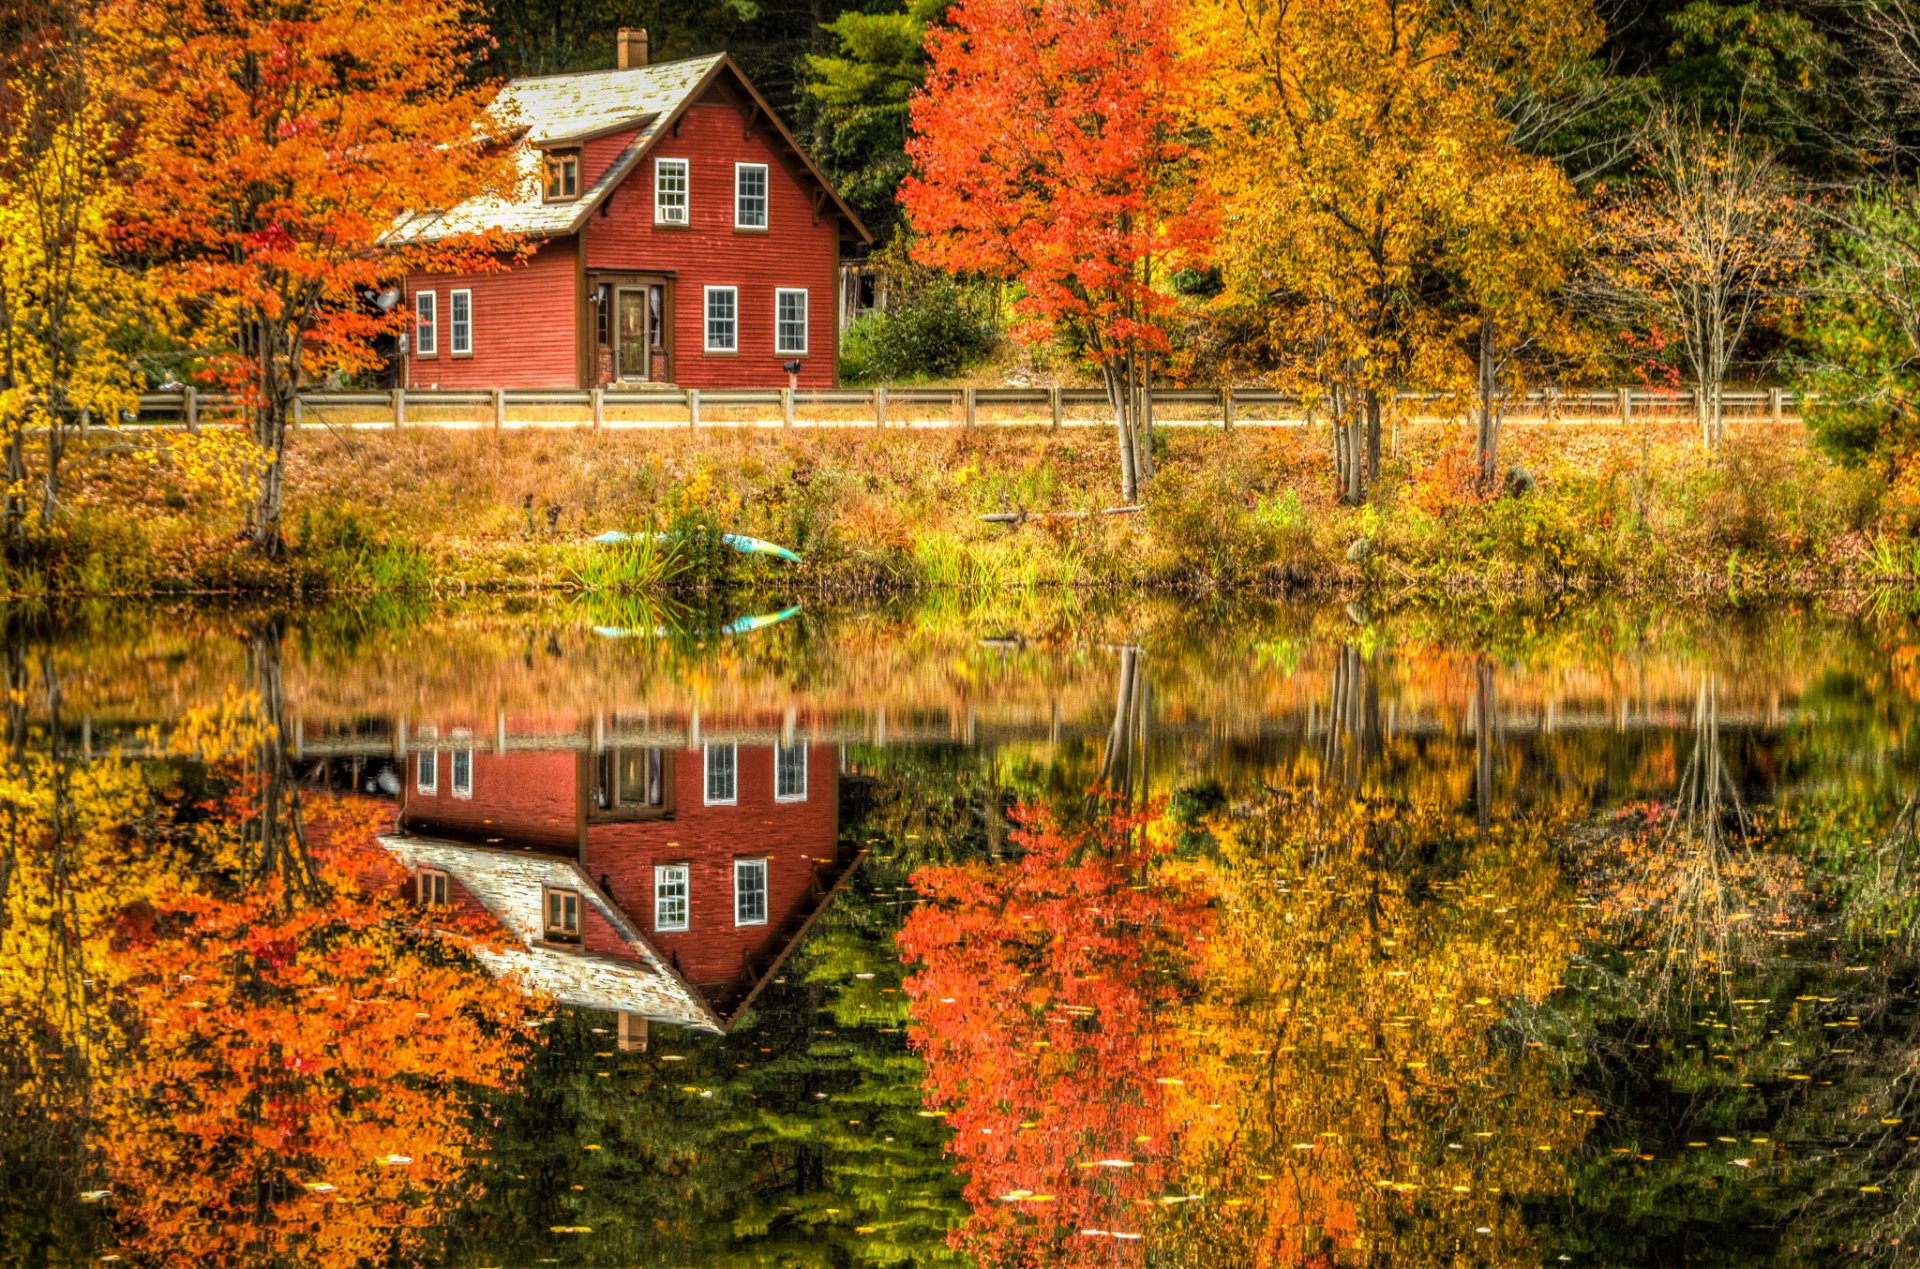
(1631, 508)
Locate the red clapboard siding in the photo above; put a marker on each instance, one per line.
(525, 799)
(792, 252)
(788, 835)
(524, 325)
(597, 155)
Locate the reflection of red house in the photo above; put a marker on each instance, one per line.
(668, 883)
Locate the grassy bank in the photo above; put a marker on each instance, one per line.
(1629, 509)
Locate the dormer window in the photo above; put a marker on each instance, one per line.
(563, 915)
(563, 175)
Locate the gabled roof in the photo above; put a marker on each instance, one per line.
(560, 110)
(510, 885)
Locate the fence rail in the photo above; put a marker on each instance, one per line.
(503, 408)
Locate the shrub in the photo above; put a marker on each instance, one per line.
(929, 330)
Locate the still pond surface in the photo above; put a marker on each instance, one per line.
(1141, 936)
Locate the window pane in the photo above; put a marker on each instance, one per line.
(462, 772)
(460, 322)
(722, 304)
(790, 772)
(426, 775)
(749, 891)
(670, 897)
(670, 191)
(790, 321)
(750, 197)
(722, 784)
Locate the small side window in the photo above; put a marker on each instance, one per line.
(563, 175)
(462, 773)
(426, 324)
(426, 773)
(430, 888)
(460, 323)
(563, 915)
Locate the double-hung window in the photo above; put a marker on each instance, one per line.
(426, 773)
(463, 773)
(790, 322)
(749, 195)
(669, 897)
(670, 191)
(790, 773)
(749, 892)
(460, 323)
(563, 175)
(722, 775)
(723, 319)
(426, 324)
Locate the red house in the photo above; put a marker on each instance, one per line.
(663, 884)
(680, 235)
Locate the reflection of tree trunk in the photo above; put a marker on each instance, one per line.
(1485, 721)
(1707, 805)
(1353, 718)
(274, 833)
(1123, 765)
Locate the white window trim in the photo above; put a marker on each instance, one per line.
(423, 883)
(426, 772)
(801, 796)
(766, 886)
(457, 788)
(686, 191)
(806, 319)
(426, 325)
(766, 196)
(453, 325)
(706, 318)
(706, 783)
(686, 897)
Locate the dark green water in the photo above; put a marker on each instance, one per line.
(1011, 935)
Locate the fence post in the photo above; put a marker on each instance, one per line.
(1777, 404)
(693, 407)
(499, 408)
(1626, 405)
(1226, 409)
(786, 406)
(972, 406)
(1053, 403)
(880, 407)
(399, 408)
(299, 410)
(599, 408)
(191, 402)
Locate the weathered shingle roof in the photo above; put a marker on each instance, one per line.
(555, 109)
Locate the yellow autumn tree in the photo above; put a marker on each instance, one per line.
(62, 296)
(1369, 1094)
(1361, 166)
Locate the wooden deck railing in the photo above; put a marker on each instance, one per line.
(501, 408)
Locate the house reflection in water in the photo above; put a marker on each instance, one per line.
(665, 884)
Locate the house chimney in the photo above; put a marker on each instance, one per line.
(632, 46)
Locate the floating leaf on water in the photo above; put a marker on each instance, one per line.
(571, 1229)
(94, 1196)
(397, 1160)
(318, 1187)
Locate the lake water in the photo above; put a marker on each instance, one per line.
(1107, 934)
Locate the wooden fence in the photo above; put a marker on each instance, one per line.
(502, 408)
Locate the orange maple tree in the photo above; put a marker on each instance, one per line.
(1047, 152)
(282, 142)
(1038, 1005)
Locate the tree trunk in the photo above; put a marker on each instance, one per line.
(270, 434)
(1113, 370)
(1488, 425)
(1373, 442)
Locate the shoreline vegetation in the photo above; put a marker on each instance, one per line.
(1634, 509)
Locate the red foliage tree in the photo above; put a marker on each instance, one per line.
(1046, 152)
(1041, 1006)
(281, 143)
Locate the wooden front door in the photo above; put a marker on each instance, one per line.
(632, 334)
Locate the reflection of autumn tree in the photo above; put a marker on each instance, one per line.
(1689, 890)
(1041, 1007)
(1374, 1099)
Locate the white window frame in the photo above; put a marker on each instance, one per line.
(426, 324)
(458, 787)
(423, 887)
(779, 332)
(706, 318)
(685, 169)
(706, 775)
(426, 773)
(765, 898)
(789, 795)
(557, 930)
(456, 346)
(766, 196)
(663, 875)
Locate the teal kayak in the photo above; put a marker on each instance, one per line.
(738, 541)
(739, 625)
